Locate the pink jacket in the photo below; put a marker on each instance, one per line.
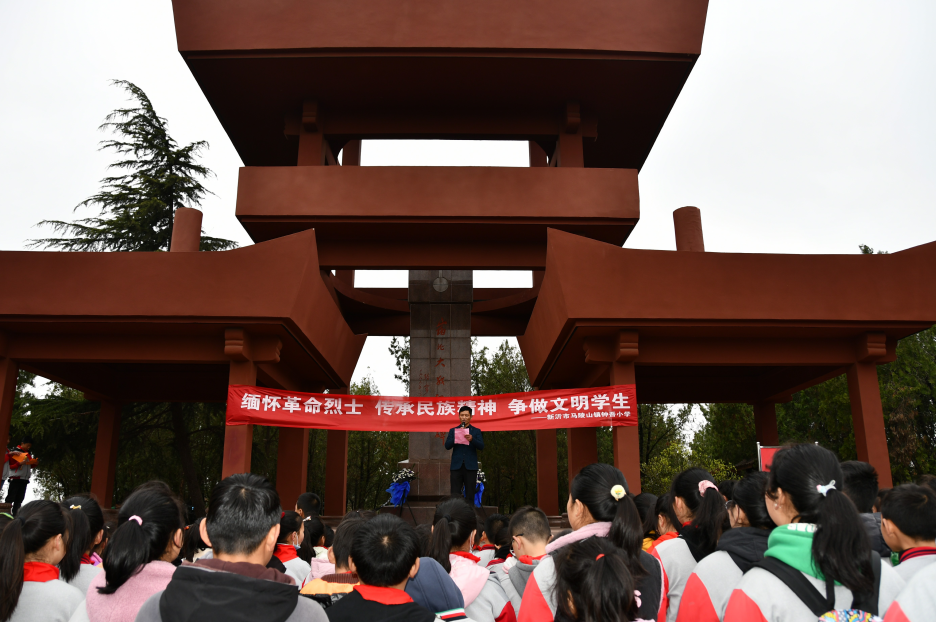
(123, 605)
(468, 576)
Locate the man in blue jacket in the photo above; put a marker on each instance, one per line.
(464, 471)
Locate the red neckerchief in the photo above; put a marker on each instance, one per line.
(285, 552)
(39, 572)
(466, 555)
(495, 561)
(529, 559)
(487, 547)
(383, 595)
(87, 560)
(917, 551)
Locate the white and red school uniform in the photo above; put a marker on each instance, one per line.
(45, 598)
(914, 560)
(485, 553)
(485, 601)
(917, 601)
(296, 567)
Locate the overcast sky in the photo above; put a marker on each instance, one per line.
(805, 127)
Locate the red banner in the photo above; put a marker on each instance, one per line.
(535, 410)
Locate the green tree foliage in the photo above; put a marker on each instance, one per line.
(372, 458)
(136, 207)
(728, 433)
(657, 474)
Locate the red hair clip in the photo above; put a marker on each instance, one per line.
(283, 515)
(600, 555)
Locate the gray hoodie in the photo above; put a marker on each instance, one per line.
(512, 576)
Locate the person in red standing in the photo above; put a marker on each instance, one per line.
(18, 468)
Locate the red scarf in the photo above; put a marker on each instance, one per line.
(39, 572)
(487, 547)
(466, 555)
(383, 595)
(87, 560)
(529, 559)
(285, 552)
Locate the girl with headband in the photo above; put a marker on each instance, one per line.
(33, 544)
(138, 560)
(599, 507)
(819, 537)
(700, 511)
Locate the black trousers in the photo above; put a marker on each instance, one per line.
(16, 493)
(463, 477)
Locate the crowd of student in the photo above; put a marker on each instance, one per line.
(812, 539)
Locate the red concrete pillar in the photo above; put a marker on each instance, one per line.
(8, 374)
(311, 140)
(351, 153)
(292, 465)
(186, 230)
(765, 424)
(570, 147)
(583, 449)
(238, 439)
(336, 473)
(688, 224)
(105, 454)
(547, 472)
(868, 419)
(625, 441)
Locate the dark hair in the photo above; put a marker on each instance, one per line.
(87, 523)
(861, 484)
(594, 574)
(344, 538)
(329, 536)
(592, 486)
(365, 514)
(879, 499)
(493, 524)
(314, 532)
(708, 510)
(664, 507)
(463, 409)
(749, 496)
(645, 503)
(242, 510)
(912, 509)
(134, 544)
(35, 524)
(928, 480)
(531, 522)
(726, 488)
(290, 522)
(310, 504)
(384, 550)
(840, 547)
(424, 531)
(453, 522)
(192, 541)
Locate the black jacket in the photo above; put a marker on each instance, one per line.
(465, 454)
(353, 608)
(745, 545)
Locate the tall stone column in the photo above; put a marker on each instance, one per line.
(440, 366)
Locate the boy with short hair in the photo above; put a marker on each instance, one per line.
(908, 525)
(330, 588)
(529, 533)
(385, 555)
(488, 546)
(242, 527)
(861, 486)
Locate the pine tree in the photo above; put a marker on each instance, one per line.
(137, 206)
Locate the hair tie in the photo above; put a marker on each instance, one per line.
(139, 521)
(618, 492)
(283, 515)
(600, 555)
(448, 518)
(637, 597)
(824, 490)
(705, 485)
(75, 507)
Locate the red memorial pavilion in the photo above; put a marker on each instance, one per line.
(297, 85)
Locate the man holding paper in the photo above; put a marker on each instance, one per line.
(465, 442)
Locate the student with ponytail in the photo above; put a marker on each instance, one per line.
(78, 567)
(138, 559)
(32, 546)
(453, 532)
(593, 583)
(292, 530)
(714, 579)
(598, 507)
(819, 541)
(700, 512)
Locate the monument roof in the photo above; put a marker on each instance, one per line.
(412, 69)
